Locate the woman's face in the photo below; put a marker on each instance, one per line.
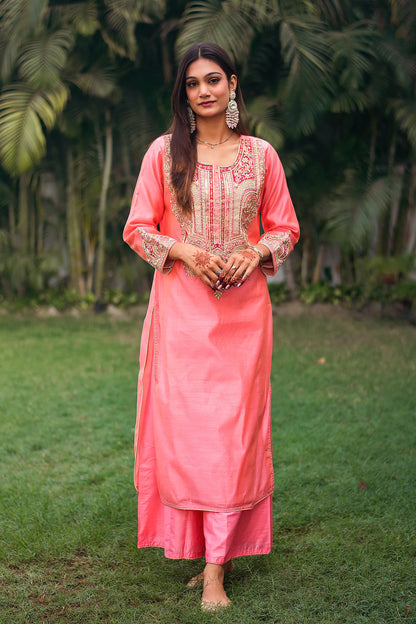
(207, 88)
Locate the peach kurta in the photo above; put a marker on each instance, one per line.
(204, 381)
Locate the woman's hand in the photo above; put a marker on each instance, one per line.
(239, 267)
(205, 265)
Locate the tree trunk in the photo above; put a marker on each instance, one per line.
(102, 208)
(74, 238)
(32, 225)
(166, 58)
(12, 221)
(40, 224)
(304, 268)
(400, 226)
(384, 236)
(372, 154)
(411, 239)
(23, 210)
(125, 161)
(290, 277)
(318, 265)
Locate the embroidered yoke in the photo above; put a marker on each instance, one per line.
(203, 438)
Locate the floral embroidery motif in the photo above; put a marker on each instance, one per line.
(156, 248)
(279, 244)
(245, 169)
(249, 209)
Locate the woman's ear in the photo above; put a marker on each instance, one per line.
(233, 82)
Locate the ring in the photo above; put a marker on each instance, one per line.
(233, 267)
(218, 272)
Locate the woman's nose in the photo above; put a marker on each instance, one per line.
(203, 90)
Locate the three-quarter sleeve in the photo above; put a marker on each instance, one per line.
(147, 209)
(281, 227)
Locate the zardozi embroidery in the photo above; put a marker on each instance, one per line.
(225, 200)
(155, 247)
(279, 244)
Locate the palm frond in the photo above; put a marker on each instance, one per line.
(303, 37)
(264, 122)
(144, 11)
(43, 59)
(353, 211)
(81, 16)
(19, 19)
(354, 51)
(121, 17)
(333, 12)
(97, 81)
(140, 124)
(405, 113)
(307, 89)
(9, 53)
(224, 23)
(25, 113)
(119, 34)
(403, 65)
(349, 102)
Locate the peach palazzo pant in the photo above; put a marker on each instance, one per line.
(191, 534)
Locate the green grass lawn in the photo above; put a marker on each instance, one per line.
(344, 406)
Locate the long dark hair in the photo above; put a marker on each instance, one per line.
(183, 143)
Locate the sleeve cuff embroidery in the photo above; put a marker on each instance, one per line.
(156, 248)
(280, 246)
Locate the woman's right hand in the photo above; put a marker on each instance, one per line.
(205, 265)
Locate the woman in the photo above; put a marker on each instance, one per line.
(203, 467)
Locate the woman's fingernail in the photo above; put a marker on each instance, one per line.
(227, 287)
(239, 284)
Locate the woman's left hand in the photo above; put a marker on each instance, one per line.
(239, 267)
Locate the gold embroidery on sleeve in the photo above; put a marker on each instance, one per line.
(155, 247)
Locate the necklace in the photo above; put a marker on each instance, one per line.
(212, 145)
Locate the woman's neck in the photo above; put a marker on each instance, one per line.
(212, 131)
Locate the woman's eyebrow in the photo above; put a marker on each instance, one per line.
(207, 76)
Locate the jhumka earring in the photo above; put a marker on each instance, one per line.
(191, 119)
(232, 114)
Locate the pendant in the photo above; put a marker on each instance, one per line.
(212, 146)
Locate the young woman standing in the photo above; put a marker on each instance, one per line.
(203, 467)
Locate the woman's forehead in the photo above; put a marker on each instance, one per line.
(202, 67)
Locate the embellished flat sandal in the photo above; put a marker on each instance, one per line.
(212, 607)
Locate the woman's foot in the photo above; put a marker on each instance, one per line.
(213, 595)
(199, 578)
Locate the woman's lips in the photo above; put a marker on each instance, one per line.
(206, 103)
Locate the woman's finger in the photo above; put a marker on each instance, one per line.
(229, 269)
(239, 274)
(249, 263)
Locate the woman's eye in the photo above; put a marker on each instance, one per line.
(191, 84)
(214, 80)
